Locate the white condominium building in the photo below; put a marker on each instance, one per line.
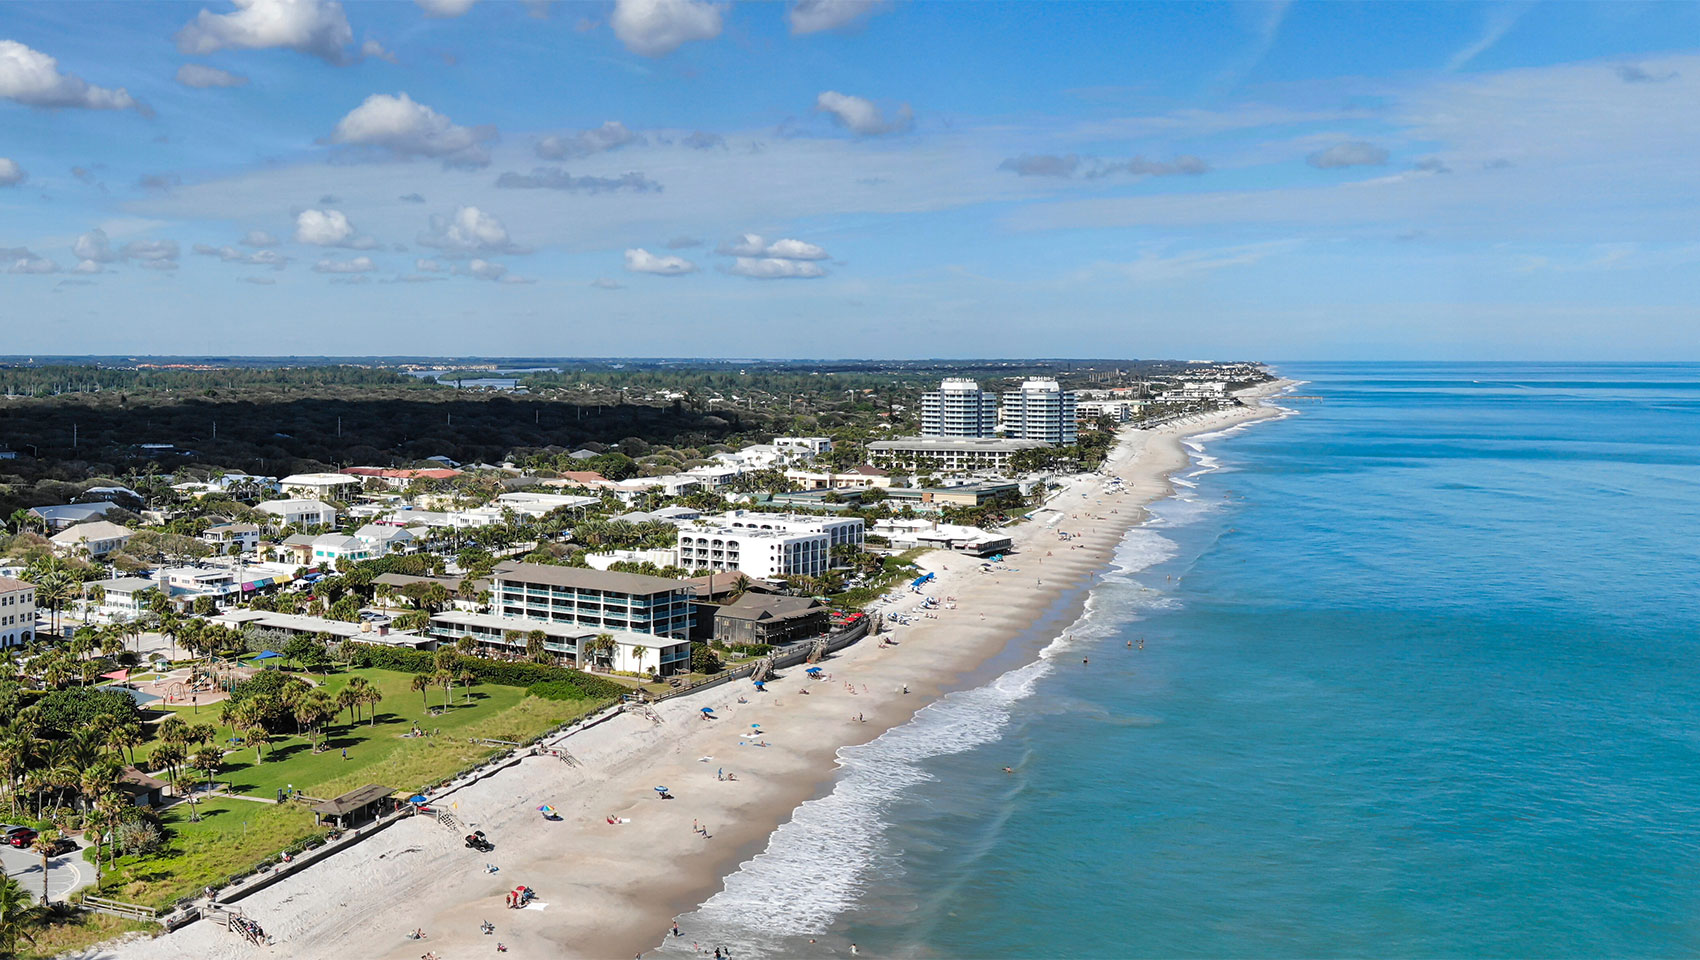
(763, 554)
(17, 612)
(843, 531)
(959, 408)
(1040, 410)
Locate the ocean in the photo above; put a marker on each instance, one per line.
(1412, 674)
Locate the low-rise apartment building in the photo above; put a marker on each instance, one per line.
(17, 612)
(245, 536)
(584, 648)
(950, 454)
(758, 553)
(593, 598)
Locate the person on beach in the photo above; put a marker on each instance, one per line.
(676, 932)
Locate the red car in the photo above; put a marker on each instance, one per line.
(20, 836)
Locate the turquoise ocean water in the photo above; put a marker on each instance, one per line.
(1418, 679)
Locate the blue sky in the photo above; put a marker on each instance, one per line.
(839, 178)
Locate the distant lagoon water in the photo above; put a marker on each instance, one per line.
(1417, 680)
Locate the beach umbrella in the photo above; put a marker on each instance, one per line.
(660, 789)
(418, 798)
(707, 709)
(755, 726)
(812, 670)
(546, 810)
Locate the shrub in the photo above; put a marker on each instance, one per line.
(556, 690)
(76, 707)
(503, 672)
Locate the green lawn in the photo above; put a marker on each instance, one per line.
(377, 751)
(232, 836)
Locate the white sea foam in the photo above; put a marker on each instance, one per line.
(815, 866)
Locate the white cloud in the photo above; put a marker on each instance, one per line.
(445, 9)
(470, 231)
(1353, 153)
(406, 128)
(259, 281)
(1156, 264)
(554, 178)
(317, 28)
(748, 245)
(753, 245)
(150, 252)
(32, 78)
(157, 264)
(612, 135)
(200, 77)
(1500, 19)
(430, 266)
(356, 265)
(789, 249)
(484, 270)
(813, 16)
(329, 228)
(94, 246)
(24, 261)
(861, 117)
(374, 50)
(639, 260)
(655, 28)
(258, 238)
(10, 173)
(88, 266)
(772, 268)
(229, 254)
(604, 283)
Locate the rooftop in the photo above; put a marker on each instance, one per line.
(585, 578)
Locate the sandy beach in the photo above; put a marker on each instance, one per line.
(612, 889)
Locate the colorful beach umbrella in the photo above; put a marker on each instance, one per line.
(547, 810)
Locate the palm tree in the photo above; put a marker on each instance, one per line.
(535, 650)
(170, 756)
(422, 682)
(445, 678)
(44, 845)
(208, 759)
(17, 915)
(373, 696)
(348, 699)
(95, 824)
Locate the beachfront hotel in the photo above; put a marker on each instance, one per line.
(593, 598)
(959, 408)
(1040, 410)
(17, 612)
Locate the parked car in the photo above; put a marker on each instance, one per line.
(21, 836)
(62, 845)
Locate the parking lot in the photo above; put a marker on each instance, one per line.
(65, 873)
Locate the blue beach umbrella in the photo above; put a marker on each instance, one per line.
(755, 726)
(707, 709)
(812, 670)
(417, 798)
(660, 789)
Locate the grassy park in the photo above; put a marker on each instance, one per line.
(225, 835)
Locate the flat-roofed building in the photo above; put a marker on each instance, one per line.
(959, 408)
(760, 553)
(569, 643)
(300, 512)
(593, 598)
(950, 454)
(1040, 410)
(17, 612)
(841, 531)
(320, 485)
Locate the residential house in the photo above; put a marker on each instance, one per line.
(320, 485)
(245, 536)
(124, 598)
(383, 539)
(330, 548)
(59, 517)
(300, 513)
(907, 534)
(94, 539)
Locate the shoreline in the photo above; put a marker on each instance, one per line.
(607, 890)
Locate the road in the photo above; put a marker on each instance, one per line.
(65, 873)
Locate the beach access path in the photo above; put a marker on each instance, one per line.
(612, 889)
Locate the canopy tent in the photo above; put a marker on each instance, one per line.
(118, 675)
(267, 655)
